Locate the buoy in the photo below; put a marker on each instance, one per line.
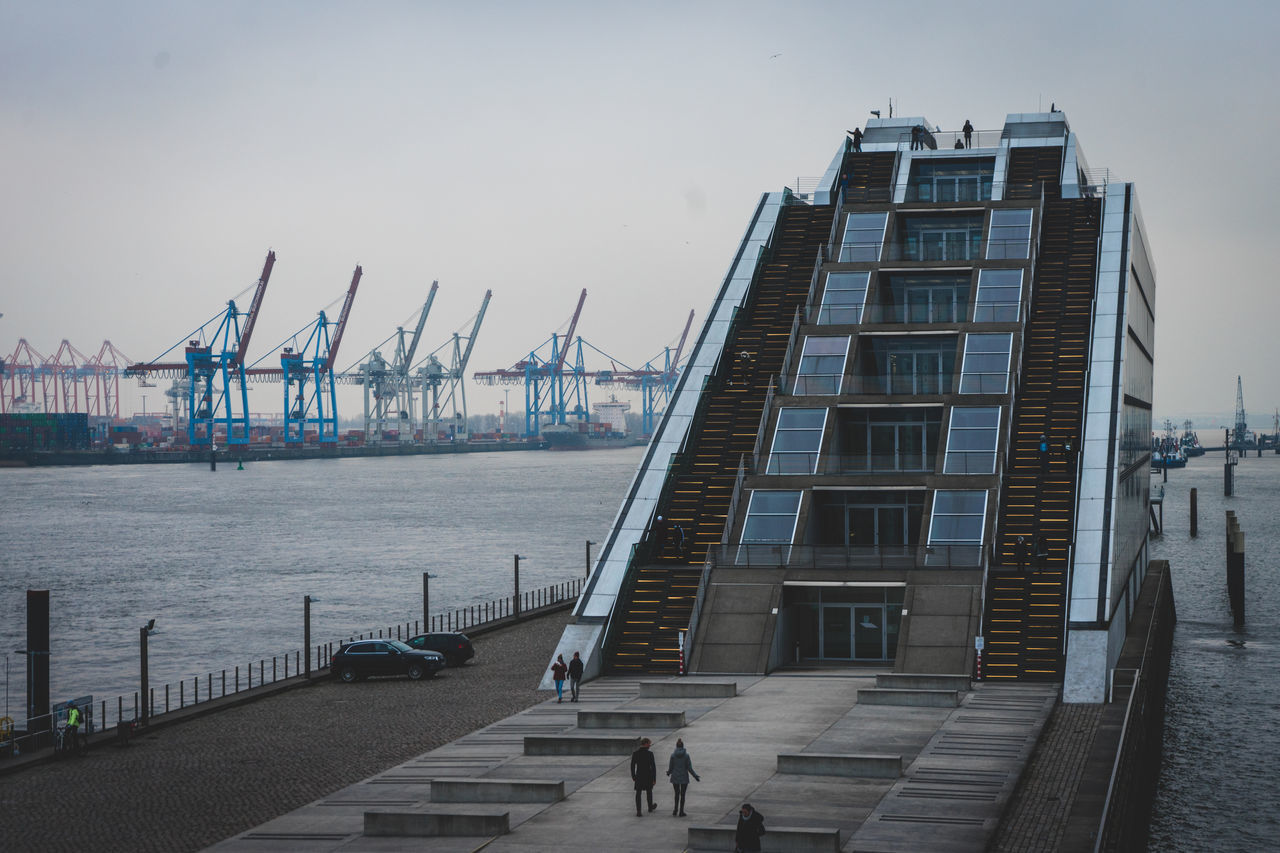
(240, 465)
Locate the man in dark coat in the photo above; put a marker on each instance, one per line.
(644, 772)
(575, 675)
(750, 827)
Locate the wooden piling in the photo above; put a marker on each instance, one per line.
(1235, 568)
(1195, 515)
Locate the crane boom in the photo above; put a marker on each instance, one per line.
(475, 330)
(680, 346)
(342, 319)
(422, 321)
(568, 338)
(247, 333)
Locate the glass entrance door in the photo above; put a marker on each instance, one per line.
(837, 621)
(868, 632)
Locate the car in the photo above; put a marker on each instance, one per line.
(364, 658)
(456, 648)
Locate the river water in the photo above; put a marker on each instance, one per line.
(222, 560)
(1220, 785)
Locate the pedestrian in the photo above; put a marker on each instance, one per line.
(1042, 551)
(679, 769)
(1020, 552)
(73, 730)
(917, 137)
(746, 839)
(1044, 445)
(968, 134)
(857, 140)
(682, 543)
(959, 144)
(644, 773)
(558, 672)
(575, 675)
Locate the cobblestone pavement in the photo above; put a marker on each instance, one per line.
(193, 784)
(1037, 814)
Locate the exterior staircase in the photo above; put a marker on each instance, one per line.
(657, 598)
(1025, 609)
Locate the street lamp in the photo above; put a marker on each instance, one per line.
(306, 631)
(589, 544)
(516, 608)
(145, 631)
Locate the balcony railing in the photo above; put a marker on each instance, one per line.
(882, 463)
(896, 312)
(967, 249)
(818, 385)
(855, 558)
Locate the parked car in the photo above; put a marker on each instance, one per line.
(456, 648)
(364, 658)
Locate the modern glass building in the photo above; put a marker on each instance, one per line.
(913, 433)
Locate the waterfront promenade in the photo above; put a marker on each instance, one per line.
(266, 774)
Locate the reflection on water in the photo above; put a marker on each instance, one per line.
(1220, 786)
(223, 560)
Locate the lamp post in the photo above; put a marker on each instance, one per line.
(516, 607)
(144, 632)
(589, 544)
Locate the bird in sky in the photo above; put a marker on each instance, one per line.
(775, 56)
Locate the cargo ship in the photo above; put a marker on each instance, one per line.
(606, 429)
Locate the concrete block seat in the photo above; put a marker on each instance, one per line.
(688, 689)
(571, 744)
(631, 719)
(484, 790)
(910, 698)
(777, 839)
(854, 766)
(420, 824)
(922, 681)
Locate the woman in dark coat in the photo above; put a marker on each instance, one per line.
(644, 772)
(680, 768)
(746, 838)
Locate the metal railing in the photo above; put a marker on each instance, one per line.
(125, 712)
(968, 250)
(827, 385)
(852, 557)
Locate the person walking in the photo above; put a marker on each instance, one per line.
(746, 839)
(575, 676)
(679, 769)
(558, 671)
(644, 773)
(1020, 552)
(71, 737)
(857, 139)
(968, 134)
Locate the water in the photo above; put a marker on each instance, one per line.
(1219, 786)
(222, 560)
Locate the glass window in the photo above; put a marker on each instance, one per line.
(924, 298)
(771, 518)
(1010, 234)
(843, 298)
(919, 364)
(891, 439)
(972, 440)
(985, 369)
(821, 365)
(958, 517)
(863, 236)
(999, 296)
(797, 439)
(951, 180)
(956, 237)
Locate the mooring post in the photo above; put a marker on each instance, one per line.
(1195, 515)
(1235, 568)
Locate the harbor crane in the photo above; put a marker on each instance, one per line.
(217, 393)
(310, 392)
(445, 386)
(388, 391)
(544, 378)
(69, 381)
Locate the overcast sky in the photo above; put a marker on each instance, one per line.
(154, 152)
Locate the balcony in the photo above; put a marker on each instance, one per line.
(904, 384)
(789, 462)
(859, 559)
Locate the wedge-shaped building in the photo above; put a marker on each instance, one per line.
(914, 432)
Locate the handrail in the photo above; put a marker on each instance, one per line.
(849, 558)
(691, 634)
(760, 431)
(735, 497)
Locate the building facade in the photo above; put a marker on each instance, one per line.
(913, 433)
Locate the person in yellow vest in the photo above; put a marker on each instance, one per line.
(73, 729)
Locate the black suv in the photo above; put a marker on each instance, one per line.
(364, 658)
(456, 648)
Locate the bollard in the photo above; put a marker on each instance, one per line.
(1195, 515)
(1228, 480)
(1235, 568)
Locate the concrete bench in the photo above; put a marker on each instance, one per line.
(777, 839)
(910, 698)
(429, 824)
(836, 764)
(922, 681)
(579, 745)
(473, 790)
(685, 689)
(630, 719)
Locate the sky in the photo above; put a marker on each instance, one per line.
(155, 151)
